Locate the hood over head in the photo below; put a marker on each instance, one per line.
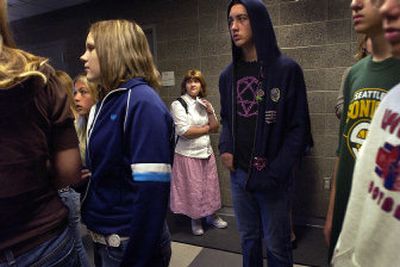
(263, 32)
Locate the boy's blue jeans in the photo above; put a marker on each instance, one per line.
(261, 216)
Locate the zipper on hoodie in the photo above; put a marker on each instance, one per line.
(233, 102)
(261, 82)
(90, 133)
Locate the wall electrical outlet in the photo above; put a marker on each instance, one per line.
(327, 182)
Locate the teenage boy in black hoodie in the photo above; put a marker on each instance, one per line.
(265, 131)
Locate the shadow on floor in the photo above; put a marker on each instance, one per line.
(311, 249)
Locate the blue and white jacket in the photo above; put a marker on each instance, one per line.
(129, 152)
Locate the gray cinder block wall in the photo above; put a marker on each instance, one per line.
(194, 34)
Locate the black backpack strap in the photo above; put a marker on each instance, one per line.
(185, 106)
(183, 103)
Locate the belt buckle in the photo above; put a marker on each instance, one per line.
(113, 240)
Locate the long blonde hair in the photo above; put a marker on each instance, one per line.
(15, 64)
(81, 121)
(123, 53)
(4, 26)
(89, 85)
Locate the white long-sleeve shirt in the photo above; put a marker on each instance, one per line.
(370, 234)
(199, 147)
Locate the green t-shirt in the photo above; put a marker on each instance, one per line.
(365, 86)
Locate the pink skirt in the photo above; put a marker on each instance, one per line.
(195, 186)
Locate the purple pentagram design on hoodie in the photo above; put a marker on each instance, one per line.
(246, 89)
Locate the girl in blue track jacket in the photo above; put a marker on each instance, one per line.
(129, 150)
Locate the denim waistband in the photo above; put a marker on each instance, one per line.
(25, 247)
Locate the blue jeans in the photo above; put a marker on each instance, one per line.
(106, 256)
(72, 200)
(58, 251)
(261, 216)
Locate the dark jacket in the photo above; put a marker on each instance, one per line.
(283, 124)
(129, 152)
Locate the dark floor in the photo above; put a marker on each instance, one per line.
(311, 249)
(220, 248)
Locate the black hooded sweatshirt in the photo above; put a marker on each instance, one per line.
(278, 144)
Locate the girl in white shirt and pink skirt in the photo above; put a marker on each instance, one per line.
(195, 186)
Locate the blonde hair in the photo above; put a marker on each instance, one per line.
(16, 65)
(4, 26)
(123, 53)
(92, 87)
(81, 121)
(194, 75)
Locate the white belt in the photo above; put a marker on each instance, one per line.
(112, 240)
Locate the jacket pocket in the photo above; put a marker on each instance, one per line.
(261, 181)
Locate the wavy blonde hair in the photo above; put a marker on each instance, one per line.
(15, 64)
(4, 26)
(123, 53)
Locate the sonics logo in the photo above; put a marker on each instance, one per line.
(361, 109)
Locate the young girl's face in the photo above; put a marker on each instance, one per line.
(193, 87)
(91, 60)
(82, 98)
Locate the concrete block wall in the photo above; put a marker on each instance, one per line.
(318, 34)
(193, 34)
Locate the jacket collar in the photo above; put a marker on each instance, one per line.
(189, 99)
(132, 83)
(126, 86)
